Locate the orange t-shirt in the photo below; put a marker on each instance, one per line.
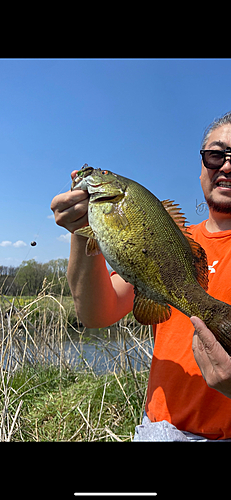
(177, 391)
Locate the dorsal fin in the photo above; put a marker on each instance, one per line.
(176, 214)
(200, 262)
(199, 256)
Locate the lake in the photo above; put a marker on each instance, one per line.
(105, 350)
(100, 350)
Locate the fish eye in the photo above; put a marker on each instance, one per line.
(104, 172)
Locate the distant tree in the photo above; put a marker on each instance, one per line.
(7, 280)
(57, 271)
(58, 266)
(28, 277)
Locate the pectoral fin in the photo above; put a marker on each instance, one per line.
(86, 231)
(92, 247)
(148, 312)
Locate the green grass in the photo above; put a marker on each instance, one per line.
(46, 303)
(74, 406)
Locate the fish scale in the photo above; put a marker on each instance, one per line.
(147, 243)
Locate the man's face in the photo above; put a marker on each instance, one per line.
(216, 184)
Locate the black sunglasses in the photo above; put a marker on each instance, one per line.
(215, 158)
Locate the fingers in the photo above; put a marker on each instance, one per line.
(73, 174)
(66, 200)
(206, 349)
(204, 342)
(70, 209)
(203, 339)
(212, 359)
(199, 348)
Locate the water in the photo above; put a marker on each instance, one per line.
(104, 350)
(100, 350)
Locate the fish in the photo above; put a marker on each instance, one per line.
(146, 241)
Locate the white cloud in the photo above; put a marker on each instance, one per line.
(19, 244)
(51, 216)
(5, 243)
(65, 237)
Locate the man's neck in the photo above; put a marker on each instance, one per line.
(218, 222)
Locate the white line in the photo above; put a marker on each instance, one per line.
(112, 494)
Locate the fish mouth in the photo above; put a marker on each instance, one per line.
(92, 184)
(99, 198)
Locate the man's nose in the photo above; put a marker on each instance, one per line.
(227, 165)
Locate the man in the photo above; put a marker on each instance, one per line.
(189, 389)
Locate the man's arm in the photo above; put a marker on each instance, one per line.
(99, 299)
(212, 359)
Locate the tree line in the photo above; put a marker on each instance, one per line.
(28, 278)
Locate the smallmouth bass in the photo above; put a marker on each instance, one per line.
(147, 243)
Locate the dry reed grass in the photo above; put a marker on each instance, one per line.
(42, 394)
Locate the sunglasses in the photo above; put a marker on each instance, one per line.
(215, 158)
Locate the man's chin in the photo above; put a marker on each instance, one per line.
(222, 207)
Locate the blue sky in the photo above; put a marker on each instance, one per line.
(141, 118)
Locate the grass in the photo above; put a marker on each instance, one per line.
(73, 407)
(50, 306)
(46, 396)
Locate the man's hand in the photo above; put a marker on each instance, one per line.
(70, 209)
(212, 359)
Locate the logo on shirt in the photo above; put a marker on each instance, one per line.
(211, 268)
